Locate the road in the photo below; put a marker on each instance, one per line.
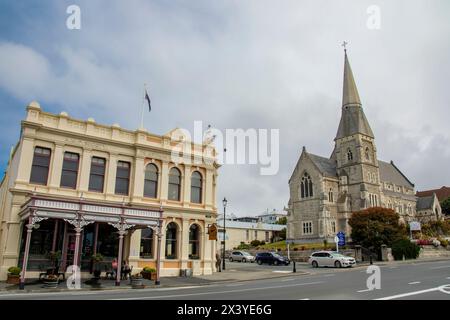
(418, 280)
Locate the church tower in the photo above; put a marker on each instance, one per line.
(355, 152)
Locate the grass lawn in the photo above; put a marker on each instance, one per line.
(282, 245)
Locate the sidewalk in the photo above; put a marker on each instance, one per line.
(226, 276)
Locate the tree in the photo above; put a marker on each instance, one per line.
(445, 204)
(282, 220)
(282, 234)
(373, 227)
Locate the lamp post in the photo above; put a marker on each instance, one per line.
(224, 201)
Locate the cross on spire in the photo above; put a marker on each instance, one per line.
(344, 44)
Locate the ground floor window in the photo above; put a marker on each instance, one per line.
(171, 241)
(267, 236)
(194, 251)
(146, 250)
(307, 227)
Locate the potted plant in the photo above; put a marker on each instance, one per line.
(96, 259)
(137, 281)
(13, 275)
(51, 281)
(149, 273)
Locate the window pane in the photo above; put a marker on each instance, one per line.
(121, 186)
(39, 175)
(150, 189)
(146, 243)
(69, 179)
(174, 192)
(196, 196)
(96, 183)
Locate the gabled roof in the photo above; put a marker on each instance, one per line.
(424, 203)
(390, 173)
(442, 193)
(326, 166)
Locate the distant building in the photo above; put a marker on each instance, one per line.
(272, 217)
(238, 232)
(442, 193)
(428, 209)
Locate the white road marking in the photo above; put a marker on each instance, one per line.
(408, 294)
(442, 267)
(393, 267)
(220, 292)
(288, 279)
(414, 282)
(235, 285)
(304, 299)
(281, 271)
(329, 275)
(365, 290)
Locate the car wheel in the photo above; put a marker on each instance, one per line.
(337, 264)
(231, 259)
(315, 264)
(259, 262)
(275, 262)
(244, 260)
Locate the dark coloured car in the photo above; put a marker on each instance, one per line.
(271, 258)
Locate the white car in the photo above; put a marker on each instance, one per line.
(330, 259)
(241, 256)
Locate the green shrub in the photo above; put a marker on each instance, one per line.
(243, 246)
(148, 270)
(255, 243)
(262, 243)
(14, 270)
(444, 242)
(406, 248)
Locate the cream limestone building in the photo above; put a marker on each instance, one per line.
(79, 188)
(324, 191)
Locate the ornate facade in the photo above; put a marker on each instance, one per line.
(80, 188)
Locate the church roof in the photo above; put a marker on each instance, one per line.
(424, 203)
(353, 119)
(390, 173)
(442, 193)
(325, 165)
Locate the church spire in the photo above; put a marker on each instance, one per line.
(353, 119)
(350, 92)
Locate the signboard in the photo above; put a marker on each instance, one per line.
(212, 232)
(341, 237)
(414, 226)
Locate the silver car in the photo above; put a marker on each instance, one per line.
(330, 259)
(241, 256)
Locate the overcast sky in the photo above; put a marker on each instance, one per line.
(239, 64)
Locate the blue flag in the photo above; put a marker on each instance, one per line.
(148, 100)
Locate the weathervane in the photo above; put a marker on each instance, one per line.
(344, 44)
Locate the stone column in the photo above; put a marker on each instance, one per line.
(26, 160)
(184, 244)
(76, 256)
(55, 169)
(158, 254)
(208, 189)
(384, 252)
(85, 169)
(186, 196)
(164, 181)
(138, 178)
(111, 174)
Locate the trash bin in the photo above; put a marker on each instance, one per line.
(188, 272)
(182, 272)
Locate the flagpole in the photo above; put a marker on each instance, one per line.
(142, 111)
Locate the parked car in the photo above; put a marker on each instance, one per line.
(241, 256)
(271, 258)
(330, 259)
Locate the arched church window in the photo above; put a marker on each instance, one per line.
(306, 186)
(349, 155)
(367, 153)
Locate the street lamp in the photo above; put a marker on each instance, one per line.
(224, 201)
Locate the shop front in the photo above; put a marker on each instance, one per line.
(57, 234)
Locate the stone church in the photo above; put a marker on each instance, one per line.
(325, 191)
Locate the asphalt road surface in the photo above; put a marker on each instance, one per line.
(419, 280)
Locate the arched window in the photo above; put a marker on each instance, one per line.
(349, 155)
(151, 181)
(306, 186)
(194, 252)
(196, 187)
(171, 241)
(330, 195)
(367, 153)
(174, 184)
(146, 250)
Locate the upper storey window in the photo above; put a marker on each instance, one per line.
(196, 187)
(97, 175)
(349, 155)
(69, 173)
(367, 154)
(41, 165)
(306, 186)
(151, 181)
(174, 184)
(122, 177)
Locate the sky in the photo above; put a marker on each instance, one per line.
(260, 64)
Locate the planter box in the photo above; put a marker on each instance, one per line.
(13, 279)
(137, 283)
(149, 275)
(50, 284)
